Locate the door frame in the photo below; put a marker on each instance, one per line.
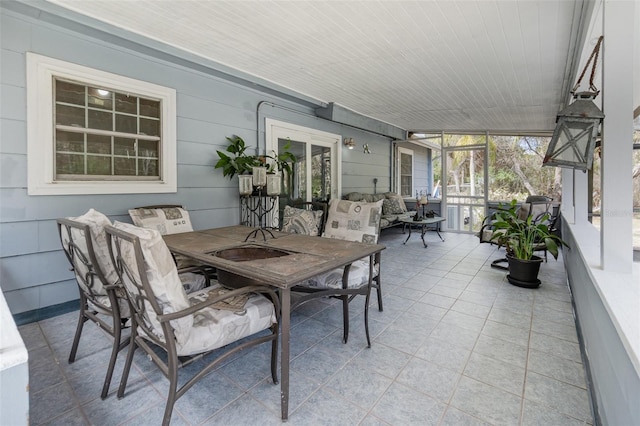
(445, 205)
(275, 130)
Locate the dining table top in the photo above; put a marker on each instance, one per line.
(307, 256)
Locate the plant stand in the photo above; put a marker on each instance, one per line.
(260, 212)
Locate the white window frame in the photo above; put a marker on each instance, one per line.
(40, 129)
(406, 151)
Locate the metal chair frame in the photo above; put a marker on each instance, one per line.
(345, 294)
(115, 324)
(147, 340)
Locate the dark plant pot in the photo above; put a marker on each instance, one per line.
(524, 273)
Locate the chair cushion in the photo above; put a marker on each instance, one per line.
(301, 221)
(97, 222)
(213, 328)
(353, 221)
(162, 275)
(358, 276)
(166, 220)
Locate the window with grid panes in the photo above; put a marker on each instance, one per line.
(93, 132)
(105, 134)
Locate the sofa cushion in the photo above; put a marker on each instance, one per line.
(391, 206)
(353, 221)
(396, 199)
(301, 221)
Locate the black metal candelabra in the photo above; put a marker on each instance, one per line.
(259, 207)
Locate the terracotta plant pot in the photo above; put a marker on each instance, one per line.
(524, 273)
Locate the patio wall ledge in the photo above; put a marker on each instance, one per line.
(14, 371)
(608, 315)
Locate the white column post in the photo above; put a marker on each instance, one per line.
(616, 248)
(581, 196)
(568, 202)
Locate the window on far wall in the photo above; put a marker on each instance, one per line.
(405, 172)
(92, 132)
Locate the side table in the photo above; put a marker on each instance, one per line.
(423, 223)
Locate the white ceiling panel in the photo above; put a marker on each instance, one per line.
(495, 65)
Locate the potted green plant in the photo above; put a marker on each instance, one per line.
(236, 162)
(521, 237)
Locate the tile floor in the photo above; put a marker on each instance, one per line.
(455, 345)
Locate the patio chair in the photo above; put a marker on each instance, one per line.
(185, 327)
(539, 207)
(170, 219)
(350, 221)
(84, 244)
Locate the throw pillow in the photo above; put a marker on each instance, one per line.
(301, 221)
(397, 198)
(353, 221)
(391, 207)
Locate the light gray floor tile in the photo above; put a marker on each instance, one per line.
(325, 408)
(427, 311)
(554, 346)
(455, 417)
(558, 368)
(300, 389)
(50, 402)
(383, 360)
(561, 331)
(519, 336)
(443, 354)
(565, 398)
(455, 335)
(479, 298)
(244, 411)
(401, 405)
(512, 318)
(540, 415)
(502, 350)
(359, 385)
(437, 300)
(70, 418)
(442, 290)
(318, 363)
(462, 320)
(496, 373)
(480, 311)
(487, 403)
(427, 377)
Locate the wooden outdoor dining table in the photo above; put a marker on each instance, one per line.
(308, 256)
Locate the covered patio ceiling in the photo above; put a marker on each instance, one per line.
(420, 65)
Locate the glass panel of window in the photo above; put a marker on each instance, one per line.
(94, 120)
(406, 174)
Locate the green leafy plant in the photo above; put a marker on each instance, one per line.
(522, 237)
(236, 162)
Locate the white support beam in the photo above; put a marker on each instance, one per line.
(581, 196)
(616, 248)
(568, 202)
